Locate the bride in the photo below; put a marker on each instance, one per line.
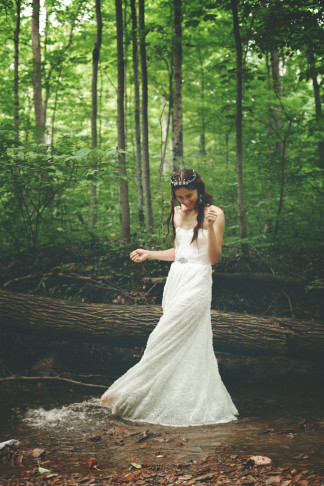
(177, 382)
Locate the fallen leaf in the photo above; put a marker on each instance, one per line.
(42, 470)
(92, 462)
(37, 452)
(260, 460)
(19, 460)
(135, 464)
(51, 476)
(179, 444)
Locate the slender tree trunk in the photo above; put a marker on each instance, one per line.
(178, 128)
(318, 104)
(202, 137)
(16, 78)
(37, 75)
(239, 150)
(137, 117)
(125, 71)
(145, 141)
(164, 121)
(123, 189)
(94, 106)
(277, 122)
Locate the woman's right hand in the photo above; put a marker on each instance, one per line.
(139, 255)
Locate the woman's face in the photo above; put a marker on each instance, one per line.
(187, 197)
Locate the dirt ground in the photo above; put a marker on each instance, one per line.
(278, 439)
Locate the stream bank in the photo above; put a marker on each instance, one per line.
(282, 422)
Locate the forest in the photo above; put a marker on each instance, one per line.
(101, 102)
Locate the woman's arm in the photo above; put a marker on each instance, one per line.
(216, 224)
(140, 255)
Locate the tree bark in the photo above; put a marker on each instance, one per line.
(123, 188)
(318, 103)
(277, 122)
(37, 75)
(128, 326)
(94, 106)
(178, 126)
(145, 141)
(137, 117)
(239, 150)
(202, 136)
(16, 78)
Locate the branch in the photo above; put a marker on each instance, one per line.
(49, 378)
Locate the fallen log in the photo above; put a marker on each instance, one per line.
(130, 325)
(276, 280)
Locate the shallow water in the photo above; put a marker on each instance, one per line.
(285, 423)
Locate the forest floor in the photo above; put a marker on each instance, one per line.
(277, 440)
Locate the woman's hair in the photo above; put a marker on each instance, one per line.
(190, 180)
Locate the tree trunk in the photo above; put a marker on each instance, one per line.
(145, 141)
(239, 150)
(178, 128)
(127, 326)
(318, 104)
(166, 121)
(37, 75)
(280, 145)
(202, 136)
(123, 190)
(137, 107)
(16, 78)
(94, 86)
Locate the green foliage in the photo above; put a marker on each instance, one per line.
(45, 190)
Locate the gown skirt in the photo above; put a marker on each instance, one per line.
(177, 381)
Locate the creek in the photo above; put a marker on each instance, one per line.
(284, 422)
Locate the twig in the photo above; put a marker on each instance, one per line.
(270, 305)
(289, 301)
(50, 378)
(73, 275)
(263, 259)
(146, 293)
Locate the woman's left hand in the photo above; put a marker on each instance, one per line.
(211, 216)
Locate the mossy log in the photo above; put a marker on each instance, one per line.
(130, 325)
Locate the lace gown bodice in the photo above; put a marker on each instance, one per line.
(177, 381)
(193, 252)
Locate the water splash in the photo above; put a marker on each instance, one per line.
(88, 413)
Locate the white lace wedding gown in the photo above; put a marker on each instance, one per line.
(177, 381)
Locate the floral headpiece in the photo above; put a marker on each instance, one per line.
(184, 182)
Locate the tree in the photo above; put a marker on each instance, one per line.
(145, 137)
(94, 84)
(123, 189)
(16, 79)
(137, 117)
(239, 150)
(177, 120)
(39, 106)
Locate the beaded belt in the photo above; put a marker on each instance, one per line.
(182, 260)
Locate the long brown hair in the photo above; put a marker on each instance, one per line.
(180, 179)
